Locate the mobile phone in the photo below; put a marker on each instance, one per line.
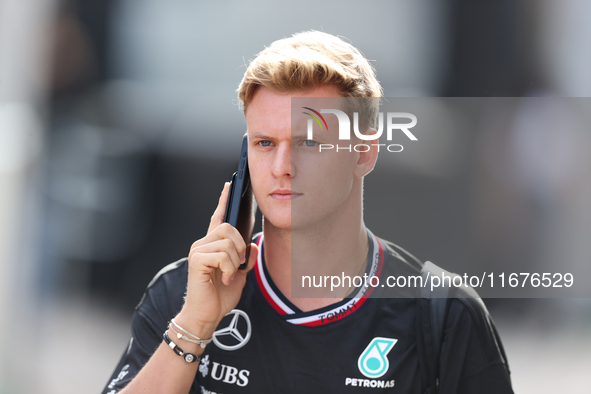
(241, 206)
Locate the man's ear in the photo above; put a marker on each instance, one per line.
(367, 160)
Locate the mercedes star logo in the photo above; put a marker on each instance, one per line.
(236, 331)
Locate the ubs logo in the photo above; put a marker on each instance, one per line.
(236, 331)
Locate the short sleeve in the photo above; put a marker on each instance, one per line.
(472, 356)
(162, 300)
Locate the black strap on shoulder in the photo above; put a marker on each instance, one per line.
(433, 305)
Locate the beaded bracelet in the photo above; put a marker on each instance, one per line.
(188, 357)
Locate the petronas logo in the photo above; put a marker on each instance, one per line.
(373, 362)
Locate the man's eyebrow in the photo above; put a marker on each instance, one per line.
(259, 135)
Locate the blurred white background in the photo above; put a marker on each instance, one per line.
(118, 124)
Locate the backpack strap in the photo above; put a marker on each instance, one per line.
(431, 317)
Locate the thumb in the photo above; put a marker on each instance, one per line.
(254, 253)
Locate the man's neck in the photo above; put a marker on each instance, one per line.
(335, 247)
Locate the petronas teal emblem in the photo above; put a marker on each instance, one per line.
(373, 362)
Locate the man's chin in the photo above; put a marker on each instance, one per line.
(277, 222)
(290, 220)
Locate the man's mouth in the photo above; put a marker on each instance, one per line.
(284, 194)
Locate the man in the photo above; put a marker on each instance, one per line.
(311, 201)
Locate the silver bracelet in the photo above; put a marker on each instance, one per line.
(195, 339)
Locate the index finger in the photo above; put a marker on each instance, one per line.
(218, 215)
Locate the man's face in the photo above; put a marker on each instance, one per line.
(295, 185)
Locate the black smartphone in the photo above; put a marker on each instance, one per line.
(241, 207)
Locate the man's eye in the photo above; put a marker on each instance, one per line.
(265, 143)
(310, 143)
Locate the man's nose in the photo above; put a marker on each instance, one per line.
(282, 162)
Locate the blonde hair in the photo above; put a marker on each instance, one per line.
(311, 59)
